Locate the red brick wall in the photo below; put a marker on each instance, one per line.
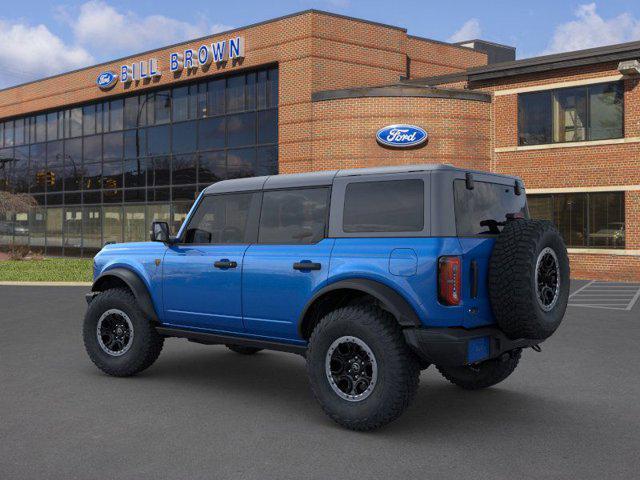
(344, 131)
(577, 167)
(429, 58)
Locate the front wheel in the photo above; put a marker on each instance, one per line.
(361, 371)
(118, 338)
(484, 374)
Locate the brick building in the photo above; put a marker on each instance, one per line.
(106, 150)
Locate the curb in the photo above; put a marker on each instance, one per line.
(47, 284)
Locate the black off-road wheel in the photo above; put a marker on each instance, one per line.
(118, 338)
(529, 279)
(361, 371)
(484, 374)
(242, 350)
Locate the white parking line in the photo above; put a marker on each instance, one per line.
(612, 296)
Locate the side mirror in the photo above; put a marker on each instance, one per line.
(160, 232)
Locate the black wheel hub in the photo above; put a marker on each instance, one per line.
(547, 279)
(115, 332)
(351, 368)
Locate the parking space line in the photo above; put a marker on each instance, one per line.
(634, 300)
(612, 296)
(582, 288)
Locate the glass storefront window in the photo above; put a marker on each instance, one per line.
(37, 227)
(94, 168)
(54, 230)
(91, 229)
(73, 230)
(112, 224)
(585, 220)
(134, 223)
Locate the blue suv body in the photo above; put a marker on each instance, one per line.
(262, 262)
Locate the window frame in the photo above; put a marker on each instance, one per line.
(336, 219)
(552, 92)
(325, 232)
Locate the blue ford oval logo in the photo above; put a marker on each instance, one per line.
(106, 80)
(401, 136)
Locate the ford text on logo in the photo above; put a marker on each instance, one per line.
(106, 80)
(401, 136)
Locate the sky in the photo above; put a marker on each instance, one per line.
(39, 38)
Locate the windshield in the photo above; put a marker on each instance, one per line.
(483, 210)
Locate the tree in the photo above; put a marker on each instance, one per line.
(15, 202)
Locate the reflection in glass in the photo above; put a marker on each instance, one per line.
(211, 133)
(91, 229)
(112, 224)
(241, 129)
(212, 167)
(73, 230)
(134, 223)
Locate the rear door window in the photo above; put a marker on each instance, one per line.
(297, 216)
(483, 210)
(385, 206)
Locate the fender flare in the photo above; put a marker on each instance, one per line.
(395, 303)
(135, 284)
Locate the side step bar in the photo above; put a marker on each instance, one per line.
(216, 339)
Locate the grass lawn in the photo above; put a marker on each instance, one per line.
(47, 270)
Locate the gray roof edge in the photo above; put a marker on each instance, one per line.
(496, 44)
(559, 60)
(400, 90)
(326, 177)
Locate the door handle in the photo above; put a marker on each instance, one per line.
(225, 264)
(307, 266)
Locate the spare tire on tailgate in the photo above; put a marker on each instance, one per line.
(529, 279)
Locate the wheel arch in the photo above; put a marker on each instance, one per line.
(350, 289)
(123, 277)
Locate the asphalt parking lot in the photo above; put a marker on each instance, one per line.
(569, 412)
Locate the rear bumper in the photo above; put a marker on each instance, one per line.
(459, 346)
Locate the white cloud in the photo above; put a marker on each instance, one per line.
(98, 32)
(107, 31)
(469, 31)
(589, 29)
(29, 52)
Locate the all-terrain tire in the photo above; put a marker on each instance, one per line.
(482, 375)
(513, 290)
(146, 344)
(243, 350)
(398, 368)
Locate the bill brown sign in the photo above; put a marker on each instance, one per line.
(189, 59)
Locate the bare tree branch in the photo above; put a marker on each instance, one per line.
(16, 202)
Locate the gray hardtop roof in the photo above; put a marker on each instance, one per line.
(325, 178)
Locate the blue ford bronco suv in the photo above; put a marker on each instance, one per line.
(370, 274)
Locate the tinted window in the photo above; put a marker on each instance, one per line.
(591, 112)
(594, 220)
(220, 219)
(391, 206)
(294, 216)
(483, 210)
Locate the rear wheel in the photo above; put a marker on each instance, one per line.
(482, 375)
(242, 350)
(361, 371)
(118, 338)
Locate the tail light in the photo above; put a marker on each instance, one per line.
(449, 280)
